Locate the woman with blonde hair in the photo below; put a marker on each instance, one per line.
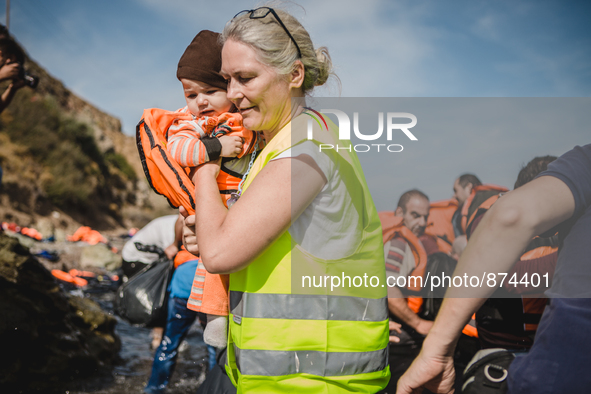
(301, 216)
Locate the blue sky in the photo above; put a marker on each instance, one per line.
(121, 56)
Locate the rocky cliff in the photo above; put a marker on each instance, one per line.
(67, 163)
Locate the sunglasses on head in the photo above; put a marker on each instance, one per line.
(262, 12)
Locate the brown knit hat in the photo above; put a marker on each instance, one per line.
(202, 60)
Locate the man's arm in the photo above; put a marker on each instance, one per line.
(495, 246)
(399, 307)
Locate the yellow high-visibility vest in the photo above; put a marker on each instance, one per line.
(285, 338)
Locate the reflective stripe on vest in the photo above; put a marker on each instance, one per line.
(277, 363)
(318, 307)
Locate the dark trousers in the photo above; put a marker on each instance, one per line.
(178, 322)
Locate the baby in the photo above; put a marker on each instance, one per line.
(206, 129)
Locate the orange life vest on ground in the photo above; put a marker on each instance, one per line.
(66, 277)
(440, 225)
(32, 233)
(88, 235)
(164, 174)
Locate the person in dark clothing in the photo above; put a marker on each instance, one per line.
(559, 199)
(12, 58)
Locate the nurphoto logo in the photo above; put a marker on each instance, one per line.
(344, 125)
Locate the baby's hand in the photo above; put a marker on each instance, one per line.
(231, 145)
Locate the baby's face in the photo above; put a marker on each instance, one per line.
(205, 100)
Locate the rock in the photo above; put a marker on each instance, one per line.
(100, 255)
(60, 235)
(45, 226)
(49, 337)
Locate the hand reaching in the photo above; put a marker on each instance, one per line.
(434, 372)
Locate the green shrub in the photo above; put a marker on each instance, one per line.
(120, 162)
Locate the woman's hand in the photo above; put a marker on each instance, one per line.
(189, 237)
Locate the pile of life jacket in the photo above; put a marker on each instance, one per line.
(27, 231)
(75, 277)
(31, 233)
(82, 278)
(88, 235)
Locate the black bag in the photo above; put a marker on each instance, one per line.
(217, 381)
(143, 299)
(487, 372)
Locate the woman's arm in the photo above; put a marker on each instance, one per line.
(230, 239)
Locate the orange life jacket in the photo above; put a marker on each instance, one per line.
(66, 277)
(392, 226)
(478, 195)
(164, 174)
(440, 225)
(32, 233)
(534, 307)
(183, 256)
(88, 235)
(481, 209)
